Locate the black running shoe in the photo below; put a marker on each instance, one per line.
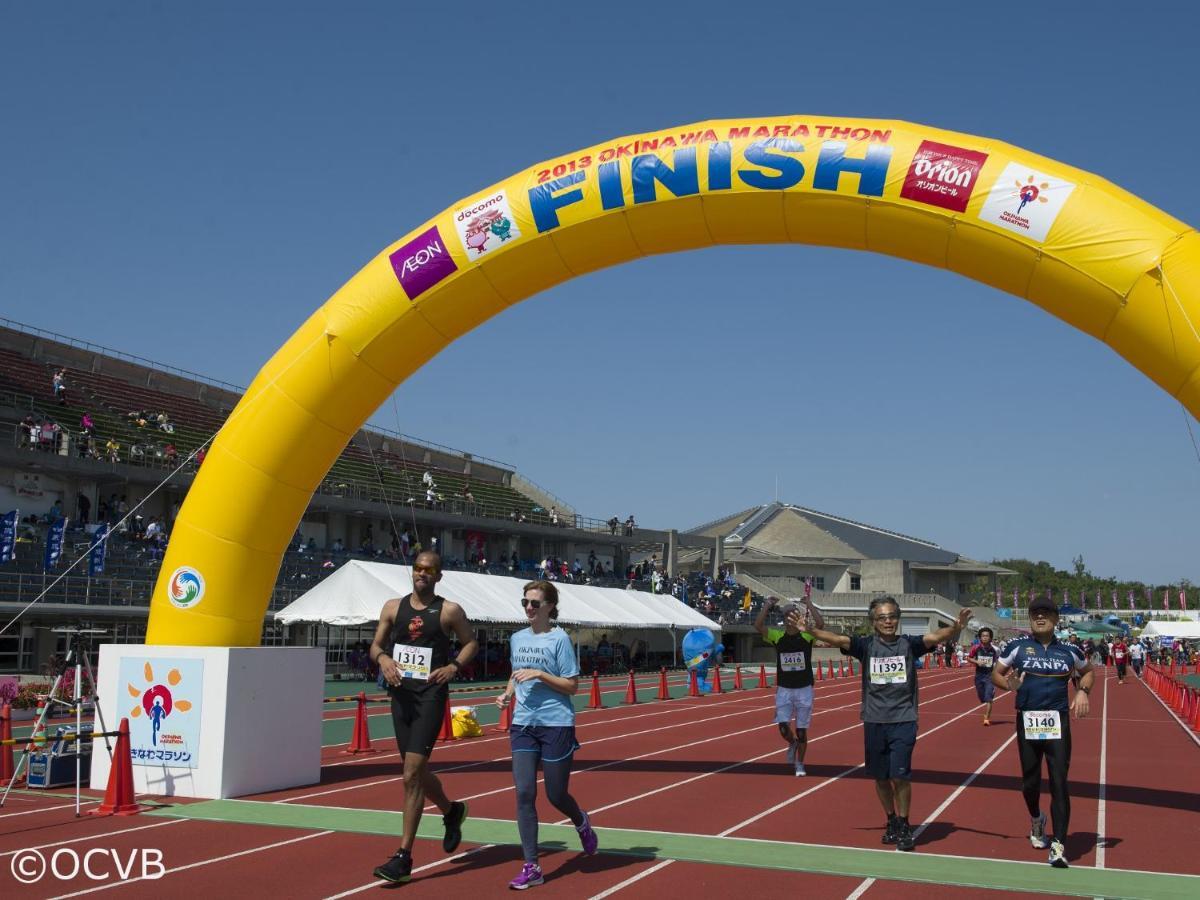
(904, 837)
(453, 823)
(398, 869)
(889, 834)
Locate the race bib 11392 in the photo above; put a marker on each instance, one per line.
(888, 670)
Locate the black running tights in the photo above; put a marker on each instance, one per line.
(1058, 760)
(557, 776)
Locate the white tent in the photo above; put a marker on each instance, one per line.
(1189, 631)
(355, 593)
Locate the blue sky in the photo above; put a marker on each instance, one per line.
(187, 182)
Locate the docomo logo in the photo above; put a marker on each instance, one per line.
(464, 214)
(96, 864)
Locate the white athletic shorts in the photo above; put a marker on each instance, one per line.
(794, 703)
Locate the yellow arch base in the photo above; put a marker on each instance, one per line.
(1074, 244)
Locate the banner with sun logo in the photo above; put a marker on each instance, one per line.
(164, 710)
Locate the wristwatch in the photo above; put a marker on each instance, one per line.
(1086, 690)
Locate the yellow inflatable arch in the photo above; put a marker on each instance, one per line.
(1074, 244)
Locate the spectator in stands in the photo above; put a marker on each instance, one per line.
(164, 424)
(427, 479)
(60, 386)
(553, 515)
(29, 431)
(86, 425)
(84, 506)
(154, 529)
(338, 546)
(612, 525)
(170, 454)
(429, 497)
(629, 526)
(199, 457)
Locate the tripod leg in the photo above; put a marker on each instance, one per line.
(39, 725)
(78, 732)
(96, 705)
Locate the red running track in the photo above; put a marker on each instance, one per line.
(659, 766)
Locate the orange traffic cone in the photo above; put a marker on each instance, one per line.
(447, 732)
(506, 715)
(1196, 714)
(118, 796)
(841, 668)
(6, 750)
(594, 701)
(737, 678)
(716, 682)
(360, 741)
(762, 676)
(693, 686)
(820, 673)
(663, 693)
(630, 690)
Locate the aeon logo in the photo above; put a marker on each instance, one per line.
(422, 263)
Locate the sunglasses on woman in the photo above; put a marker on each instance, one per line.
(532, 604)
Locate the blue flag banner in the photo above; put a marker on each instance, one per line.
(96, 553)
(54, 544)
(8, 536)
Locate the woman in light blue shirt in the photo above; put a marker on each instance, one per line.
(545, 676)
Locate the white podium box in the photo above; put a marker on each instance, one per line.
(252, 724)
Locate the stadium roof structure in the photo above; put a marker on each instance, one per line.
(783, 533)
(355, 594)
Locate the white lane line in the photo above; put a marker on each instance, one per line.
(635, 878)
(34, 812)
(729, 831)
(371, 884)
(720, 737)
(378, 882)
(676, 706)
(203, 862)
(93, 837)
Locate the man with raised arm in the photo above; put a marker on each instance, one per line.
(412, 649)
(889, 705)
(793, 675)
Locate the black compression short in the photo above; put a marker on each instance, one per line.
(417, 717)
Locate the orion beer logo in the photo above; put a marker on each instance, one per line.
(422, 263)
(185, 590)
(942, 175)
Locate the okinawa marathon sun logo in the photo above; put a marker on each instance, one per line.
(1028, 192)
(156, 701)
(186, 587)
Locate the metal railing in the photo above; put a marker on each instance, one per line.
(108, 351)
(22, 587)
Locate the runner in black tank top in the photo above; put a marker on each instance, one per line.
(420, 628)
(412, 647)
